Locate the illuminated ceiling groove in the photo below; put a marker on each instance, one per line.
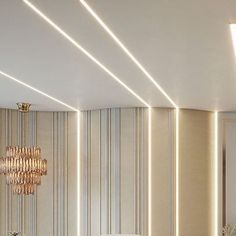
(7, 76)
(126, 50)
(233, 34)
(83, 50)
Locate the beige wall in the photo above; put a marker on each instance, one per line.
(52, 210)
(114, 164)
(196, 152)
(112, 193)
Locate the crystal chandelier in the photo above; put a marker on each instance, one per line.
(23, 167)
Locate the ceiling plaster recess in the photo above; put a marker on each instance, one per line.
(83, 50)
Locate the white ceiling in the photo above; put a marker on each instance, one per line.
(184, 44)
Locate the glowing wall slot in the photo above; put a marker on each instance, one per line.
(83, 50)
(150, 171)
(215, 181)
(78, 175)
(177, 172)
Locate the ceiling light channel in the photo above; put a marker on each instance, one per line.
(125, 49)
(83, 50)
(36, 90)
(233, 34)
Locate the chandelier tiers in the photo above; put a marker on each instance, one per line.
(23, 166)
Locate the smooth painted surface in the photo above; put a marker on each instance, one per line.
(196, 153)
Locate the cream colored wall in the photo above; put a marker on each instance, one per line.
(196, 153)
(114, 173)
(52, 210)
(112, 141)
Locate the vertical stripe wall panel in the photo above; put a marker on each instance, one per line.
(52, 209)
(114, 172)
(163, 171)
(114, 169)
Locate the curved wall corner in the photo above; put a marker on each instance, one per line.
(196, 157)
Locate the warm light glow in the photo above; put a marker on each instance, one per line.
(83, 50)
(233, 33)
(36, 90)
(215, 181)
(23, 168)
(177, 172)
(78, 176)
(126, 50)
(150, 171)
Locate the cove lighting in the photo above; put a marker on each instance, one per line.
(215, 187)
(36, 90)
(126, 50)
(233, 34)
(83, 50)
(150, 171)
(177, 172)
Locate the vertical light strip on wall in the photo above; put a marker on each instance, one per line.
(126, 50)
(78, 175)
(148, 75)
(149, 171)
(233, 34)
(177, 172)
(215, 181)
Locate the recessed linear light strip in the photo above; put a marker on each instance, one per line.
(36, 90)
(89, 55)
(233, 34)
(177, 172)
(149, 171)
(78, 175)
(125, 49)
(215, 181)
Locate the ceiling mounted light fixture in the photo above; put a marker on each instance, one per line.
(23, 166)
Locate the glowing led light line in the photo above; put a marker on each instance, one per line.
(78, 176)
(78, 46)
(150, 171)
(177, 172)
(125, 49)
(36, 90)
(233, 34)
(216, 171)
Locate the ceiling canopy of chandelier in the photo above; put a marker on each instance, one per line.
(23, 166)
